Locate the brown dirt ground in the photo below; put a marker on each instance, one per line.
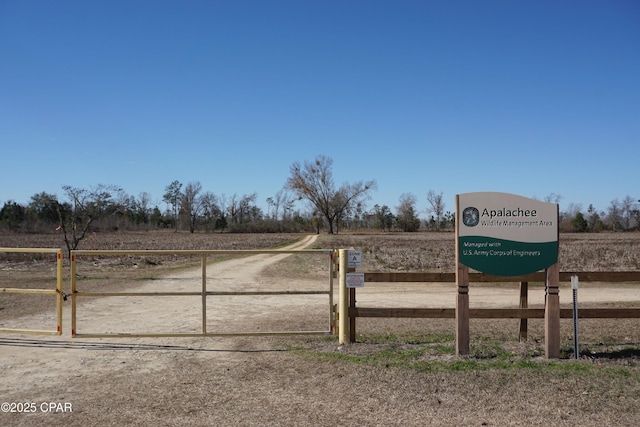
(261, 381)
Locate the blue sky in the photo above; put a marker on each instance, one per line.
(524, 97)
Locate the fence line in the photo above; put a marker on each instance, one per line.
(523, 313)
(57, 291)
(565, 276)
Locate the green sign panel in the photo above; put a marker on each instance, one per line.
(505, 234)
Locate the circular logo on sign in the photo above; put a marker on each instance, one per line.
(470, 217)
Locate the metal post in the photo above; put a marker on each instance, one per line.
(344, 299)
(59, 262)
(331, 318)
(204, 294)
(574, 287)
(73, 294)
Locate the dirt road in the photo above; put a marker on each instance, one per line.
(64, 370)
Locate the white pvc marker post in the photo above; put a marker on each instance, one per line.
(574, 287)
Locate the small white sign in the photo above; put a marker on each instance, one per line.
(355, 259)
(355, 280)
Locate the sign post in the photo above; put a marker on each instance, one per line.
(552, 312)
(574, 288)
(506, 235)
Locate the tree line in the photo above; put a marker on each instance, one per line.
(190, 207)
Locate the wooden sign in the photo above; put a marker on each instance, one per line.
(505, 234)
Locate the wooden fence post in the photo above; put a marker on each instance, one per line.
(462, 298)
(462, 310)
(352, 319)
(552, 313)
(524, 303)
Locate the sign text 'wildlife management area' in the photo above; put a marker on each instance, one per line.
(505, 234)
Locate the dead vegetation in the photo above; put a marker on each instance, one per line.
(435, 252)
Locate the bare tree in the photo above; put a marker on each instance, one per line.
(234, 207)
(142, 208)
(192, 203)
(211, 212)
(614, 215)
(223, 202)
(553, 198)
(436, 206)
(86, 206)
(239, 206)
(282, 200)
(628, 206)
(313, 182)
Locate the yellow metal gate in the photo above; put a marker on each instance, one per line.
(57, 291)
(203, 292)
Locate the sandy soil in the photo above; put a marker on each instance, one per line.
(241, 380)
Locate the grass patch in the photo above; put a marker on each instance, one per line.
(408, 338)
(435, 353)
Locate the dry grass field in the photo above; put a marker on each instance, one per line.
(401, 371)
(434, 252)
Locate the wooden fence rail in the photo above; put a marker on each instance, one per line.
(565, 276)
(523, 312)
